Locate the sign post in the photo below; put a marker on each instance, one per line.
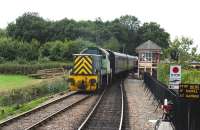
(175, 77)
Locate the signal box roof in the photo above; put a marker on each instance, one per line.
(148, 45)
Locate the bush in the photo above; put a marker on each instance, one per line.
(74, 47)
(58, 50)
(44, 60)
(2, 60)
(54, 50)
(13, 49)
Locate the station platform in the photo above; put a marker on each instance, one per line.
(141, 109)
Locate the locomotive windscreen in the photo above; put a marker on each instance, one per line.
(89, 51)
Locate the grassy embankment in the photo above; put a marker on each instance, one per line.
(8, 82)
(19, 93)
(190, 76)
(7, 111)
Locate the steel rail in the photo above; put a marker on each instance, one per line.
(40, 123)
(122, 106)
(6, 122)
(92, 111)
(84, 124)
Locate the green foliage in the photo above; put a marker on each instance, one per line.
(13, 49)
(31, 38)
(29, 26)
(59, 50)
(20, 100)
(180, 50)
(2, 33)
(74, 47)
(126, 30)
(29, 68)
(163, 73)
(112, 44)
(188, 75)
(19, 96)
(54, 50)
(2, 60)
(6, 111)
(130, 22)
(152, 31)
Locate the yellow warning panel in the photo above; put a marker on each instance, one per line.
(82, 65)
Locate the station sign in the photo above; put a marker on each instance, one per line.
(175, 76)
(189, 91)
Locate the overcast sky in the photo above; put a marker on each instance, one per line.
(178, 17)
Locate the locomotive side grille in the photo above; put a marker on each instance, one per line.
(82, 65)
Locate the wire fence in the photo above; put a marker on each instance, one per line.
(185, 114)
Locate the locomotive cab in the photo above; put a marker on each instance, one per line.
(85, 73)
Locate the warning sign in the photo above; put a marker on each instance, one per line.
(175, 76)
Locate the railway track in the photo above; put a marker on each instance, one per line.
(45, 121)
(33, 117)
(107, 114)
(70, 118)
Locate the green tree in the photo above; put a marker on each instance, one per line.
(180, 50)
(54, 50)
(2, 33)
(63, 50)
(13, 50)
(76, 46)
(130, 22)
(27, 27)
(112, 44)
(125, 30)
(152, 31)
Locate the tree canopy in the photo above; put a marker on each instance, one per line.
(58, 40)
(152, 31)
(181, 50)
(126, 30)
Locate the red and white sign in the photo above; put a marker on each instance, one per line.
(175, 76)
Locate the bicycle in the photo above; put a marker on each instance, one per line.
(165, 122)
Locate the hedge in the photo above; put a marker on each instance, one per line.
(10, 68)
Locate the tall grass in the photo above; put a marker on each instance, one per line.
(189, 75)
(163, 73)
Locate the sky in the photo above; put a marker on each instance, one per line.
(177, 17)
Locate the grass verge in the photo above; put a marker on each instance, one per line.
(20, 100)
(7, 111)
